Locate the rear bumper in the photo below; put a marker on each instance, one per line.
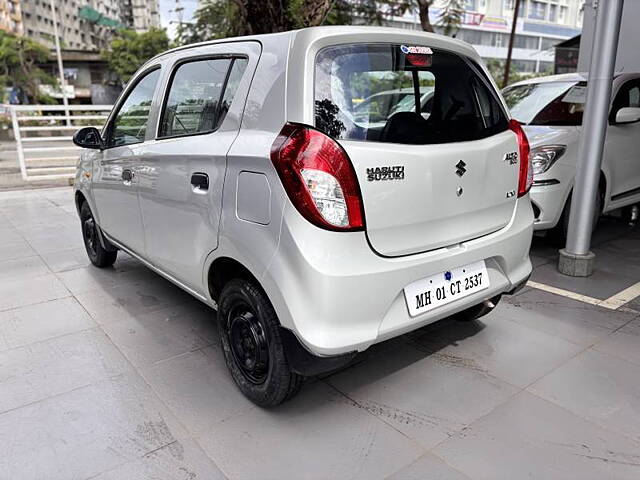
(337, 296)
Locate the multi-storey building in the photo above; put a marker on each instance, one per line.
(486, 24)
(86, 24)
(85, 27)
(10, 16)
(140, 15)
(82, 25)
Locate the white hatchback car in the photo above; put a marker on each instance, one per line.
(238, 170)
(550, 109)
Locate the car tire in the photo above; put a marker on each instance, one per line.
(98, 255)
(558, 234)
(252, 346)
(477, 311)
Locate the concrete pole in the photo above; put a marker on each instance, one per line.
(512, 36)
(576, 259)
(63, 84)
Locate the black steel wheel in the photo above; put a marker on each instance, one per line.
(90, 235)
(248, 343)
(99, 256)
(252, 346)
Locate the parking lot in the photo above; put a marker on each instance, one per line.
(118, 374)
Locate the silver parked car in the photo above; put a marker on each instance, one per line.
(237, 170)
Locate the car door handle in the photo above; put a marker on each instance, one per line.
(200, 182)
(127, 176)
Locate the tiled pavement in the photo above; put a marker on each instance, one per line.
(117, 374)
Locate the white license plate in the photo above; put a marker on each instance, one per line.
(445, 287)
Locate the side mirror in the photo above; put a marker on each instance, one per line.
(89, 137)
(628, 115)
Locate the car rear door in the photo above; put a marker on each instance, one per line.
(429, 179)
(115, 176)
(183, 170)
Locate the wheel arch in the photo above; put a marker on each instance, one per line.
(79, 198)
(300, 359)
(223, 269)
(603, 187)
(603, 184)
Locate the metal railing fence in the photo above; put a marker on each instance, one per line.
(50, 128)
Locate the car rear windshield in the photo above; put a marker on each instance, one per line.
(403, 94)
(547, 103)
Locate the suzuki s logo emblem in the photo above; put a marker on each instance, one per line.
(460, 168)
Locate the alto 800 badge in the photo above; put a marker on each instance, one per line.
(511, 158)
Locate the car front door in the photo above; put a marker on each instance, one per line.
(183, 169)
(622, 147)
(115, 177)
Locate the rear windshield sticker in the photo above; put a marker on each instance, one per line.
(416, 49)
(576, 94)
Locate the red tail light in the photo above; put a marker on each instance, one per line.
(525, 178)
(318, 177)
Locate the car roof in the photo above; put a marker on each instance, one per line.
(573, 77)
(563, 77)
(328, 31)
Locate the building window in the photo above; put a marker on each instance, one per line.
(525, 42)
(511, 4)
(528, 66)
(553, 13)
(546, 67)
(548, 43)
(562, 15)
(537, 10)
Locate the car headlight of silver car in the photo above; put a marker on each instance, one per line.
(543, 157)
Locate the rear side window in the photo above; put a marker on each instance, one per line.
(235, 75)
(402, 94)
(199, 96)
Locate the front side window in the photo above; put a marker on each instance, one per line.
(627, 96)
(197, 100)
(547, 103)
(130, 123)
(402, 94)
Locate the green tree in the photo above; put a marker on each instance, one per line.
(496, 68)
(129, 50)
(229, 18)
(375, 12)
(19, 60)
(451, 17)
(213, 19)
(367, 12)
